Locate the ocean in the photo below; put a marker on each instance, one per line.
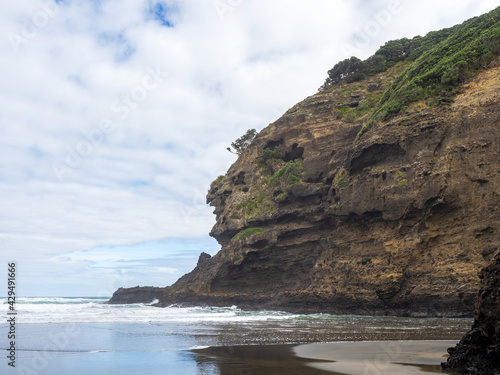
(85, 336)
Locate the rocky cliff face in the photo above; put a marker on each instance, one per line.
(479, 351)
(398, 221)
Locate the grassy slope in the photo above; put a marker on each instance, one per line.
(438, 64)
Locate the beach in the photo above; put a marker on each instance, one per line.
(84, 336)
(343, 358)
(378, 357)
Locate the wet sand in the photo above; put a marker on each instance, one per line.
(255, 360)
(377, 357)
(346, 358)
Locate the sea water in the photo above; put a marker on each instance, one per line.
(86, 336)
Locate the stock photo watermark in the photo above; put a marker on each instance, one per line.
(121, 109)
(365, 36)
(56, 342)
(222, 7)
(391, 352)
(198, 206)
(47, 10)
(12, 312)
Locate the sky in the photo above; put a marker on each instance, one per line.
(116, 116)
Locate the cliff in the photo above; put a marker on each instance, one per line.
(377, 195)
(479, 351)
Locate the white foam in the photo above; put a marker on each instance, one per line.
(93, 310)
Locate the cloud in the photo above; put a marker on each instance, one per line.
(137, 101)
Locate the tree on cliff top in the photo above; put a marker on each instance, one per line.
(243, 142)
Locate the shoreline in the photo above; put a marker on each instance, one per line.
(148, 294)
(340, 358)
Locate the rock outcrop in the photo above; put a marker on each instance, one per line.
(479, 351)
(377, 195)
(397, 222)
(138, 294)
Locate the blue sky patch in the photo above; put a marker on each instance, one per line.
(36, 152)
(139, 183)
(162, 13)
(122, 47)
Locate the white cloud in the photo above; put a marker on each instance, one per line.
(147, 179)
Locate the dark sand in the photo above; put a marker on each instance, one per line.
(348, 358)
(255, 360)
(378, 357)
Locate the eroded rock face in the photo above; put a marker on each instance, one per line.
(145, 294)
(397, 222)
(479, 351)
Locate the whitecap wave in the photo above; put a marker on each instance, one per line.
(93, 310)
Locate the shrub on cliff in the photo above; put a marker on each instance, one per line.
(271, 153)
(217, 182)
(271, 159)
(246, 233)
(262, 200)
(289, 174)
(442, 65)
(243, 142)
(438, 63)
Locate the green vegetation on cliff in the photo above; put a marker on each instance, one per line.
(276, 175)
(239, 145)
(217, 182)
(350, 114)
(246, 233)
(438, 64)
(287, 175)
(260, 203)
